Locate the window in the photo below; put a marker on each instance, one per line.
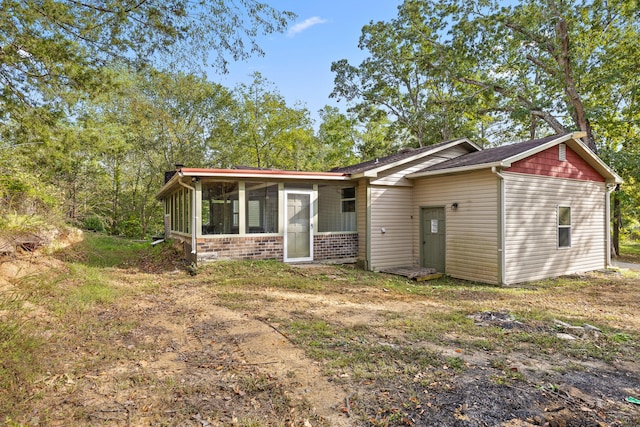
(261, 207)
(564, 226)
(332, 216)
(220, 208)
(348, 199)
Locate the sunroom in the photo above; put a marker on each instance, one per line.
(291, 216)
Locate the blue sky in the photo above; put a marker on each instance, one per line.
(298, 63)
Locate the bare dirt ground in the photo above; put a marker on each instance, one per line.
(179, 350)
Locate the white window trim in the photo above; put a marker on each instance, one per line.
(559, 226)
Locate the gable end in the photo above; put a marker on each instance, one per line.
(548, 163)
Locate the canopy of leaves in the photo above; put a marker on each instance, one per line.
(535, 67)
(260, 130)
(52, 49)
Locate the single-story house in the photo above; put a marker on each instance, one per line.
(503, 215)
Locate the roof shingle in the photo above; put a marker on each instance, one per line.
(491, 155)
(382, 161)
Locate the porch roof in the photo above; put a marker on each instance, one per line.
(249, 173)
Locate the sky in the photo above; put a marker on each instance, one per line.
(298, 62)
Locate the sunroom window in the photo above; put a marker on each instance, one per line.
(220, 208)
(336, 208)
(261, 207)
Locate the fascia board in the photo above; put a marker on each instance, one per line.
(165, 188)
(573, 140)
(272, 176)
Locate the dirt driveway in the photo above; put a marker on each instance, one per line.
(254, 345)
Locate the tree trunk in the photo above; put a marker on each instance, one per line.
(617, 224)
(575, 102)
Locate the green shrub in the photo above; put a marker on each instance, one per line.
(93, 223)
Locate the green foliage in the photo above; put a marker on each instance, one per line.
(61, 46)
(22, 192)
(18, 224)
(454, 67)
(266, 132)
(81, 134)
(93, 223)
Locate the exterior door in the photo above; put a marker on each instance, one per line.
(298, 231)
(433, 238)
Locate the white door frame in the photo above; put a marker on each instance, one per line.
(309, 193)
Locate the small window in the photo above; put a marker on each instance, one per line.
(564, 226)
(349, 199)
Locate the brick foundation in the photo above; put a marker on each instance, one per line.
(240, 248)
(325, 247)
(335, 246)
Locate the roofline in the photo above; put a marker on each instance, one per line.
(261, 173)
(562, 138)
(249, 173)
(594, 161)
(373, 173)
(454, 170)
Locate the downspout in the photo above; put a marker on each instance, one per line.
(607, 223)
(501, 227)
(194, 216)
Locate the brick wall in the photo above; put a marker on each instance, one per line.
(240, 248)
(335, 246)
(325, 247)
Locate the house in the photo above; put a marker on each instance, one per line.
(504, 215)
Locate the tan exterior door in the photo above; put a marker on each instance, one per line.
(298, 235)
(433, 238)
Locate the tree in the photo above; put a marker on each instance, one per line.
(374, 140)
(406, 78)
(51, 48)
(556, 63)
(157, 120)
(260, 130)
(337, 135)
(545, 67)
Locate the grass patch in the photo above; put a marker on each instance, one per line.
(103, 251)
(358, 352)
(630, 251)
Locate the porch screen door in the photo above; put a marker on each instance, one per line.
(298, 236)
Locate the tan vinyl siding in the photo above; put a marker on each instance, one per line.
(396, 176)
(362, 221)
(471, 230)
(391, 211)
(531, 231)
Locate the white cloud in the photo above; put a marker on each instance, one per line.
(306, 24)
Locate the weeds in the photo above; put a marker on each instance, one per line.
(402, 349)
(19, 351)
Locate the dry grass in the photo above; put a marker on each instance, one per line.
(120, 335)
